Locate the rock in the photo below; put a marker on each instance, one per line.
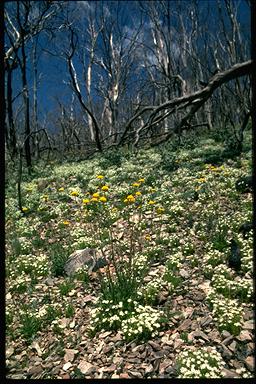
(115, 376)
(229, 374)
(18, 376)
(104, 334)
(244, 336)
(226, 352)
(183, 273)
(164, 365)
(232, 346)
(66, 376)
(70, 354)
(9, 351)
(86, 368)
(200, 334)
(185, 325)
(177, 343)
(248, 325)
(206, 321)
(228, 340)
(225, 333)
(136, 374)
(249, 362)
(154, 345)
(111, 368)
(84, 257)
(35, 370)
(124, 375)
(149, 369)
(66, 366)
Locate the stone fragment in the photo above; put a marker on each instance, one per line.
(249, 362)
(229, 374)
(232, 346)
(66, 366)
(35, 370)
(82, 258)
(248, 325)
(86, 367)
(124, 375)
(185, 325)
(244, 336)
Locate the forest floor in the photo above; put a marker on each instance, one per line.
(171, 214)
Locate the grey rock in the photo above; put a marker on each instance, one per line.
(82, 258)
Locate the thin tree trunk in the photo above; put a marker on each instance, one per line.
(26, 104)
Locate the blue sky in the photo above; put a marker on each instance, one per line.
(53, 69)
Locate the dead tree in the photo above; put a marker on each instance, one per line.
(193, 101)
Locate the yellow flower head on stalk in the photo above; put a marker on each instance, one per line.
(135, 184)
(151, 202)
(45, 197)
(130, 199)
(96, 195)
(201, 180)
(61, 189)
(24, 209)
(105, 188)
(138, 193)
(141, 180)
(160, 210)
(94, 199)
(148, 237)
(74, 193)
(100, 177)
(66, 222)
(86, 201)
(198, 188)
(103, 199)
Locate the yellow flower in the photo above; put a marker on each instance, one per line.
(94, 199)
(105, 188)
(114, 209)
(160, 210)
(141, 180)
(103, 199)
(100, 177)
(96, 195)
(130, 198)
(24, 209)
(45, 197)
(151, 202)
(66, 222)
(86, 201)
(74, 193)
(135, 184)
(201, 180)
(147, 237)
(61, 189)
(198, 188)
(138, 193)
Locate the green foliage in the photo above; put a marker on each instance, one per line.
(30, 325)
(66, 287)
(58, 258)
